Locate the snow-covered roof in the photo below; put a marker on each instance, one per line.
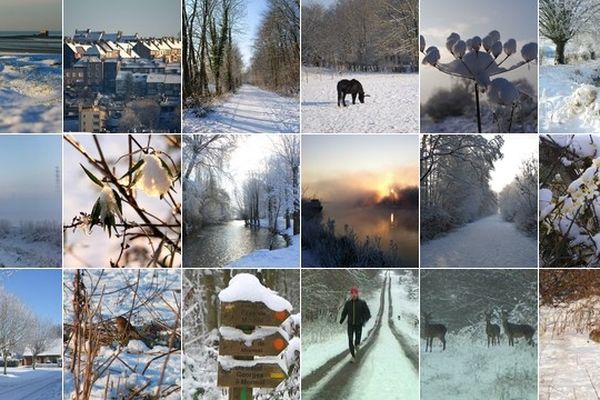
(171, 79)
(54, 349)
(247, 287)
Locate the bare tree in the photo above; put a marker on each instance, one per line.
(15, 325)
(562, 20)
(39, 339)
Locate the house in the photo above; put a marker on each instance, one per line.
(92, 119)
(52, 355)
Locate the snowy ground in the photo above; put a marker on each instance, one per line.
(468, 369)
(382, 370)
(29, 384)
(280, 258)
(135, 366)
(569, 100)
(30, 93)
(569, 361)
(22, 250)
(391, 107)
(488, 242)
(250, 110)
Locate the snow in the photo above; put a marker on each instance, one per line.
(499, 372)
(280, 258)
(259, 333)
(247, 287)
(391, 107)
(569, 361)
(249, 110)
(228, 363)
(21, 250)
(31, 93)
(488, 242)
(29, 384)
(569, 100)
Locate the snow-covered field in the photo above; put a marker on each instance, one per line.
(391, 107)
(569, 361)
(287, 257)
(27, 248)
(468, 369)
(569, 100)
(488, 242)
(30, 93)
(135, 367)
(29, 384)
(249, 110)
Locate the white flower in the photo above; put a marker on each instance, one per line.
(154, 178)
(510, 47)
(529, 52)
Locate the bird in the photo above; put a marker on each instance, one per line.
(126, 331)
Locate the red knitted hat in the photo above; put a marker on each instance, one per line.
(354, 290)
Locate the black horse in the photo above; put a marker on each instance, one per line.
(352, 87)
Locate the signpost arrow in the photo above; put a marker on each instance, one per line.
(270, 345)
(246, 313)
(263, 375)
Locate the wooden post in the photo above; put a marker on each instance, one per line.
(244, 393)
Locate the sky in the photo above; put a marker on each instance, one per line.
(146, 17)
(516, 149)
(512, 18)
(30, 15)
(28, 185)
(249, 156)
(39, 289)
(249, 26)
(340, 166)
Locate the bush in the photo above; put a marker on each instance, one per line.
(450, 103)
(434, 221)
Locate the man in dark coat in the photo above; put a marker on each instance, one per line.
(358, 314)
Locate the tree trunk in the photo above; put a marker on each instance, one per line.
(560, 51)
(5, 357)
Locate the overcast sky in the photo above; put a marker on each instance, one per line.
(146, 17)
(30, 15)
(516, 149)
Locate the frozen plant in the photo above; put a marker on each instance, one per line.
(480, 60)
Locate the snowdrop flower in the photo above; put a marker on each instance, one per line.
(459, 49)
(496, 49)
(421, 43)
(108, 204)
(432, 56)
(501, 91)
(154, 179)
(510, 47)
(529, 52)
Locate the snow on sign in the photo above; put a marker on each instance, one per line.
(263, 375)
(260, 342)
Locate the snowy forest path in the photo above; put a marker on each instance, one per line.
(381, 361)
(487, 242)
(249, 110)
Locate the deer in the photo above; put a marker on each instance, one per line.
(516, 330)
(433, 331)
(492, 330)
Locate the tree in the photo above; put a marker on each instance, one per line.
(39, 338)
(288, 149)
(562, 20)
(16, 321)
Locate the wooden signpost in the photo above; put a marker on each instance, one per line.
(243, 371)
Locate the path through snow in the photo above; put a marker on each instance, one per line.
(488, 242)
(27, 384)
(250, 110)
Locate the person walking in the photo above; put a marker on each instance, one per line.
(358, 314)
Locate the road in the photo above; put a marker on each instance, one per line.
(385, 369)
(487, 242)
(26, 384)
(249, 110)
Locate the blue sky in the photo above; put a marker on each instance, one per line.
(30, 15)
(249, 26)
(29, 189)
(146, 17)
(39, 289)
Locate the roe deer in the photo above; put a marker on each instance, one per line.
(492, 330)
(516, 330)
(433, 331)
(595, 335)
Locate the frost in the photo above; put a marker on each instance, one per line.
(258, 333)
(501, 91)
(154, 179)
(247, 287)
